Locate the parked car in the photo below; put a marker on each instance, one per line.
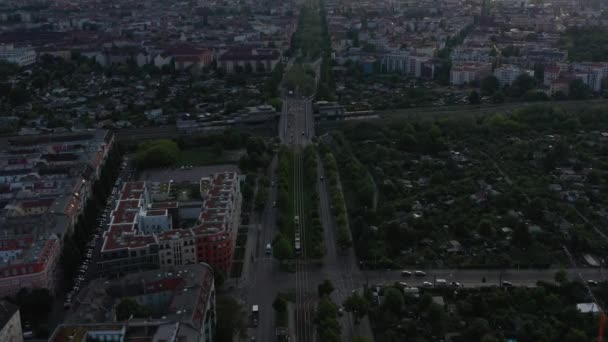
(420, 273)
(406, 273)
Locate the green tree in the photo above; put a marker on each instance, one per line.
(280, 304)
(325, 288)
(579, 90)
(327, 320)
(35, 304)
(539, 72)
(360, 339)
(230, 319)
(8, 69)
(477, 329)
(437, 318)
(575, 335)
(561, 277)
(393, 300)
(489, 338)
(498, 97)
(277, 103)
(358, 305)
(521, 85)
(344, 240)
(130, 307)
(18, 96)
(474, 98)
(489, 85)
(156, 153)
(282, 249)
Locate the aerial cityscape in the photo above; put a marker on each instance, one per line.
(303, 170)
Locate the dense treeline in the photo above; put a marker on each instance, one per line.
(394, 153)
(546, 313)
(586, 44)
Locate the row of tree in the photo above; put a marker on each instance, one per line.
(74, 245)
(524, 88)
(337, 200)
(315, 247)
(326, 317)
(545, 313)
(282, 248)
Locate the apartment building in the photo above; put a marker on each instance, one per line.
(45, 181)
(506, 74)
(468, 72)
(22, 56)
(249, 59)
(180, 300)
(10, 323)
(133, 243)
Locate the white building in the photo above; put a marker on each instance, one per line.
(592, 74)
(21, 56)
(467, 72)
(506, 74)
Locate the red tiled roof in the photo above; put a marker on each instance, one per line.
(37, 203)
(164, 205)
(156, 212)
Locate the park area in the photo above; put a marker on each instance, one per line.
(519, 189)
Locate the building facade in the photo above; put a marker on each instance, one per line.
(10, 323)
(22, 56)
(180, 302)
(45, 181)
(468, 72)
(127, 247)
(506, 74)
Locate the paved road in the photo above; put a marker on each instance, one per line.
(263, 279)
(473, 278)
(339, 266)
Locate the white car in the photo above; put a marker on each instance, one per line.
(420, 273)
(427, 284)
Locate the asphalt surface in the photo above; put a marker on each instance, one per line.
(474, 278)
(263, 279)
(340, 266)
